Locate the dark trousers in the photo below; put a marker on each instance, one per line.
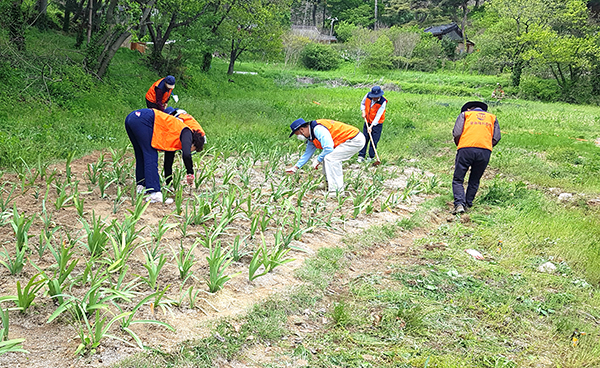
(469, 157)
(140, 129)
(152, 105)
(376, 133)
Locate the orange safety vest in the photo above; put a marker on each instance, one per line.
(339, 131)
(167, 132)
(478, 130)
(151, 94)
(191, 123)
(371, 111)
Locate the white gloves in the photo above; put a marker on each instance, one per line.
(315, 163)
(291, 170)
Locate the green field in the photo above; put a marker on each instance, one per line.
(441, 308)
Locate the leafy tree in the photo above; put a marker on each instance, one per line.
(358, 45)
(404, 40)
(253, 26)
(292, 47)
(344, 31)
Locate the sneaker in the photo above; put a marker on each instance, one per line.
(139, 189)
(155, 197)
(369, 159)
(360, 159)
(458, 209)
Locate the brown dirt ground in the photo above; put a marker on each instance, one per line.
(53, 344)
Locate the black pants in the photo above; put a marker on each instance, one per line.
(475, 158)
(152, 105)
(376, 133)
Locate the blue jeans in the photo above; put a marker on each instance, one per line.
(376, 133)
(469, 157)
(140, 129)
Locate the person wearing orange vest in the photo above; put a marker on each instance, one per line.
(338, 142)
(373, 107)
(159, 93)
(193, 125)
(475, 132)
(150, 131)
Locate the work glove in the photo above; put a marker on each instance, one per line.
(205, 139)
(369, 128)
(190, 179)
(291, 170)
(315, 163)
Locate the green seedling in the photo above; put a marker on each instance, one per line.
(78, 203)
(64, 269)
(45, 239)
(179, 200)
(91, 333)
(265, 219)
(62, 197)
(129, 320)
(14, 265)
(218, 261)
(185, 260)
(118, 200)
(21, 225)
(68, 172)
(104, 183)
(140, 206)
(237, 251)
(12, 346)
(254, 225)
(5, 324)
(94, 171)
(26, 295)
(97, 236)
(153, 266)
(122, 250)
(5, 200)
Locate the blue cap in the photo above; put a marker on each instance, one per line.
(170, 81)
(295, 125)
(169, 110)
(376, 91)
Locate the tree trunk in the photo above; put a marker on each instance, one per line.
(111, 51)
(314, 14)
(206, 61)
(41, 20)
(375, 17)
(89, 30)
(16, 27)
(516, 72)
(464, 25)
(69, 8)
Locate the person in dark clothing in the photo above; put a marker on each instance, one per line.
(150, 131)
(475, 132)
(160, 92)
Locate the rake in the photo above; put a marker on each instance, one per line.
(378, 162)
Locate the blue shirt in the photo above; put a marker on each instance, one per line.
(324, 137)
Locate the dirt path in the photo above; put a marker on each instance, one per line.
(53, 344)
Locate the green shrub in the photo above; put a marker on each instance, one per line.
(343, 31)
(380, 54)
(320, 57)
(533, 88)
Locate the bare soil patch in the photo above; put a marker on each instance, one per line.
(54, 344)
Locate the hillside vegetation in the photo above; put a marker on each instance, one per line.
(428, 303)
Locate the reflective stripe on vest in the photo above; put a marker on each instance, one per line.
(339, 131)
(151, 94)
(191, 123)
(167, 132)
(371, 111)
(478, 130)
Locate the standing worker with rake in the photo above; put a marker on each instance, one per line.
(160, 92)
(475, 132)
(373, 107)
(338, 141)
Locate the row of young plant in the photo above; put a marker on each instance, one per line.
(89, 279)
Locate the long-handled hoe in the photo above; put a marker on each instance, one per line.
(378, 162)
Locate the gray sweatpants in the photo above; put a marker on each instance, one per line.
(332, 163)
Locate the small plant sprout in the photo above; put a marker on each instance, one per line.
(68, 172)
(103, 183)
(97, 237)
(62, 272)
(153, 265)
(140, 206)
(237, 251)
(91, 333)
(218, 261)
(185, 260)
(6, 196)
(6, 345)
(129, 320)
(26, 295)
(14, 265)
(21, 225)
(94, 171)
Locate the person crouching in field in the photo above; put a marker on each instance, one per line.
(160, 92)
(170, 155)
(373, 107)
(150, 131)
(475, 132)
(338, 141)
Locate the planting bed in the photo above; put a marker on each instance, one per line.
(241, 204)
